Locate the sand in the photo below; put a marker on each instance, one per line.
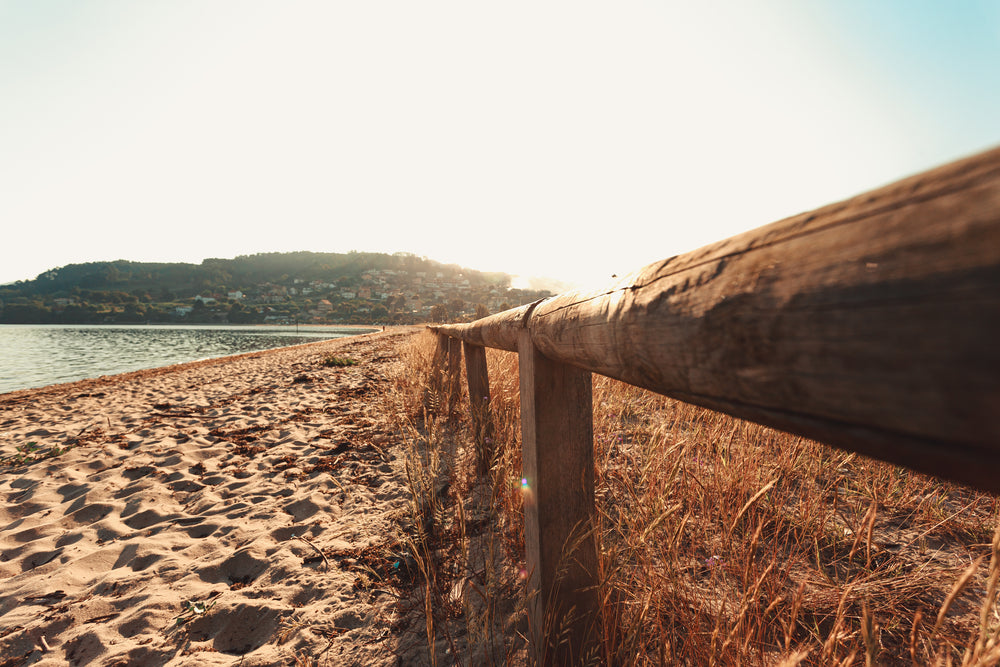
(184, 524)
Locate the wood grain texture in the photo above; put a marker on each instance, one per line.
(497, 331)
(558, 467)
(872, 324)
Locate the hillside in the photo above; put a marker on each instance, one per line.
(312, 287)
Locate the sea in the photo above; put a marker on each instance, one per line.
(39, 355)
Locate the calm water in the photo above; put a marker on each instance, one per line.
(39, 355)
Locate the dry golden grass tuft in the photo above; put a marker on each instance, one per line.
(721, 542)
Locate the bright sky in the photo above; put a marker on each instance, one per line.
(570, 140)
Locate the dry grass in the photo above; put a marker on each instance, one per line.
(721, 542)
(469, 559)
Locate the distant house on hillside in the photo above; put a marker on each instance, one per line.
(235, 296)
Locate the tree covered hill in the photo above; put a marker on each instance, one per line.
(297, 286)
(244, 271)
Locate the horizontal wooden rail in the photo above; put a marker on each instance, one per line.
(872, 325)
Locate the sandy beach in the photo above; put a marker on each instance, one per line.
(221, 512)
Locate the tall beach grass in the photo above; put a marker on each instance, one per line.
(721, 542)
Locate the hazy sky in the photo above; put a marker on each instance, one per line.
(564, 139)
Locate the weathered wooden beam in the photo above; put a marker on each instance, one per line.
(872, 324)
(558, 486)
(478, 379)
(497, 331)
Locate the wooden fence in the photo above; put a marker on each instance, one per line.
(872, 325)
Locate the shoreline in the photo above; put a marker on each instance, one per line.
(174, 515)
(365, 331)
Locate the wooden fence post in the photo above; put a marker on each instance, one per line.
(439, 372)
(558, 467)
(453, 380)
(478, 378)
